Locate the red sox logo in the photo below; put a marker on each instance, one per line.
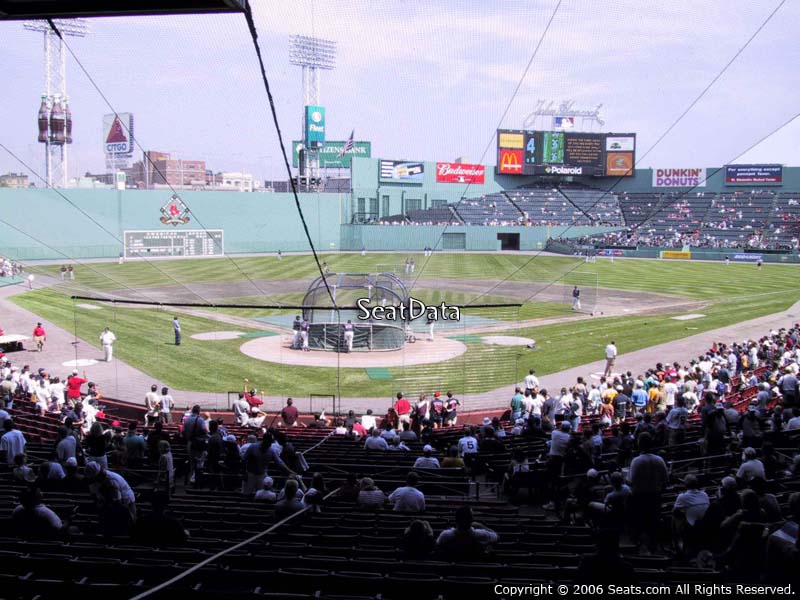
(174, 212)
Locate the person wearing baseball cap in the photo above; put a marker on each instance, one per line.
(426, 461)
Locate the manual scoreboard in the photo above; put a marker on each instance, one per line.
(172, 242)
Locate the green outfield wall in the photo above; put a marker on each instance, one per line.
(45, 224)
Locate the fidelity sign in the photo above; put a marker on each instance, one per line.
(689, 178)
(459, 173)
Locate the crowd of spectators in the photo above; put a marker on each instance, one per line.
(9, 268)
(600, 462)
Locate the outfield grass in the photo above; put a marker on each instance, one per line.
(692, 279)
(736, 293)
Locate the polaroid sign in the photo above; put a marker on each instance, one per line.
(688, 178)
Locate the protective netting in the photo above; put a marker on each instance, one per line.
(248, 295)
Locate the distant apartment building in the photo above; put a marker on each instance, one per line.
(14, 180)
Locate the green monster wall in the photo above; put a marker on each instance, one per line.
(252, 222)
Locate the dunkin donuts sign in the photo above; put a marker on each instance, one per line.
(688, 178)
(459, 173)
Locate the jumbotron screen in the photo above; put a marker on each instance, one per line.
(563, 153)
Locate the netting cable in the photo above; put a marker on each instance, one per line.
(248, 13)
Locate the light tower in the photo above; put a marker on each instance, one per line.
(312, 54)
(55, 117)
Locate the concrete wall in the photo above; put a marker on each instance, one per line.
(74, 224)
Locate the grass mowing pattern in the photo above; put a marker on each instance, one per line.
(739, 292)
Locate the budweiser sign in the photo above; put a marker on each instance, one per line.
(459, 173)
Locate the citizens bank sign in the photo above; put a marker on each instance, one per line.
(680, 178)
(459, 173)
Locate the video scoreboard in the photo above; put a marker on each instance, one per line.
(562, 153)
(174, 242)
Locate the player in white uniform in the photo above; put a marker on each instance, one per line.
(107, 338)
(348, 335)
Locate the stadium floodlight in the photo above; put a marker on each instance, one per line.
(313, 52)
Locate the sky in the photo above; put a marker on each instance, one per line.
(423, 80)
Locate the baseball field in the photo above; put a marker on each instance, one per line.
(633, 302)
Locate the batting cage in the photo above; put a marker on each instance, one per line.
(357, 296)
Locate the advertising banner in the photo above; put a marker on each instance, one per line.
(459, 173)
(620, 143)
(402, 170)
(609, 252)
(118, 135)
(619, 164)
(748, 257)
(315, 126)
(509, 139)
(676, 254)
(562, 170)
(509, 162)
(329, 153)
(748, 174)
(679, 178)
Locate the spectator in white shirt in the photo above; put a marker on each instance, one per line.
(42, 395)
(611, 357)
(468, 444)
(408, 498)
(368, 420)
(531, 382)
(426, 461)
